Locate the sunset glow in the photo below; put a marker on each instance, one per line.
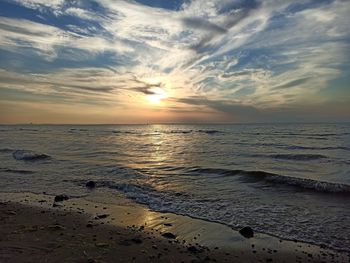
(201, 61)
(157, 96)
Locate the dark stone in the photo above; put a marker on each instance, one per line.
(90, 184)
(169, 235)
(60, 198)
(193, 249)
(136, 240)
(167, 224)
(101, 216)
(247, 232)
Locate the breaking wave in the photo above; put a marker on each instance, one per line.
(302, 183)
(29, 155)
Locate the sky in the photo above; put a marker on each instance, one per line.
(174, 61)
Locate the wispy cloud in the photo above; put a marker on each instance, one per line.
(241, 56)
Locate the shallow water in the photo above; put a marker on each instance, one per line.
(288, 180)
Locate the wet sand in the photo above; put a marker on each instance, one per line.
(81, 230)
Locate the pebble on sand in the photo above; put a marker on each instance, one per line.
(247, 232)
(90, 184)
(169, 235)
(60, 198)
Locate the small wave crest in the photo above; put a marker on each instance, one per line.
(124, 132)
(210, 131)
(6, 150)
(27, 129)
(180, 131)
(298, 147)
(302, 183)
(29, 155)
(319, 186)
(17, 171)
(298, 157)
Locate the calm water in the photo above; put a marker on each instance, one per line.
(292, 181)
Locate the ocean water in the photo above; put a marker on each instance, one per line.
(287, 180)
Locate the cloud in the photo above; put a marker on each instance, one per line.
(46, 40)
(41, 3)
(246, 56)
(225, 106)
(143, 86)
(81, 13)
(291, 84)
(201, 24)
(73, 83)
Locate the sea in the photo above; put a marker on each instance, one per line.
(287, 180)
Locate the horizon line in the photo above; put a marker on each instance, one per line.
(180, 123)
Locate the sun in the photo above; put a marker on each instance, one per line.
(158, 94)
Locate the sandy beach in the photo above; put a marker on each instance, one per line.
(78, 230)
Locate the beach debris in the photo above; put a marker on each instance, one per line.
(31, 229)
(247, 232)
(101, 216)
(101, 244)
(56, 227)
(169, 235)
(57, 205)
(60, 198)
(90, 184)
(11, 213)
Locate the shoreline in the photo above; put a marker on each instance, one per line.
(195, 240)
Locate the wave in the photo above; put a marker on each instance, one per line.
(298, 147)
(326, 134)
(124, 132)
(305, 183)
(27, 129)
(29, 155)
(75, 129)
(210, 131)
(310, 135)
(6, 150)
(298, 157)
(8, 170)
(302, 183)
(175, 131)
(221, 210)
(180, 131)
(187, 131)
